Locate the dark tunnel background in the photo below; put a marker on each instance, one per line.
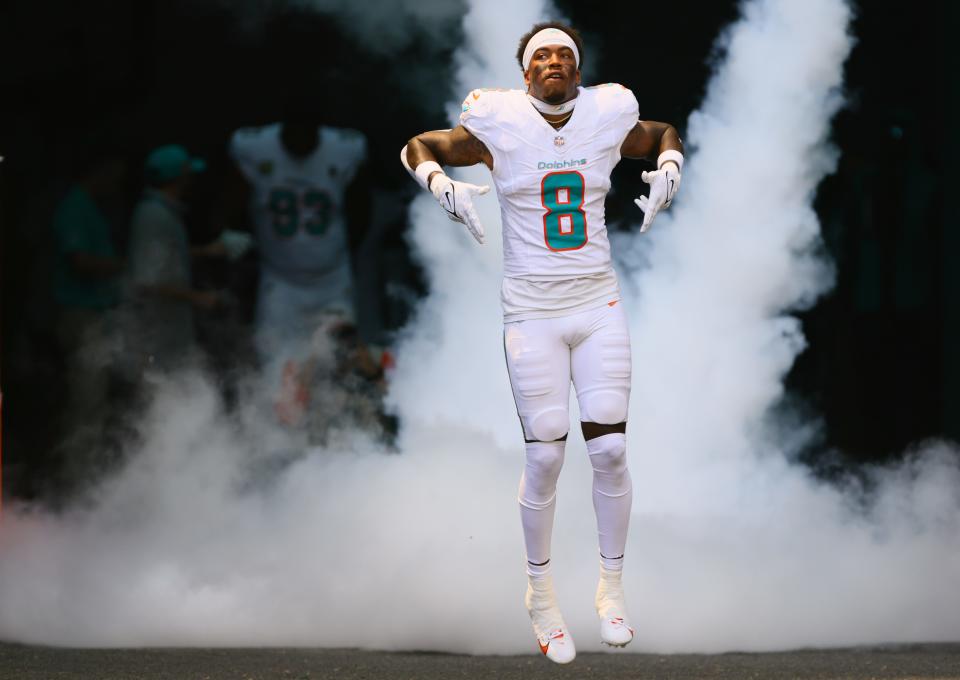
(882, 367)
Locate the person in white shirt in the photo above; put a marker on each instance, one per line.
(550, 150)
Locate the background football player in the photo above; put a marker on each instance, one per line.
(296, 179)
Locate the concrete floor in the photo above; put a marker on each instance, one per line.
(914, 662)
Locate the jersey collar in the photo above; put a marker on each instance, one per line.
(553, 109)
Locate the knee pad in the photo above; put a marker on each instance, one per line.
(606, 407)
(608, 456)
(549, 425)
(538, 486)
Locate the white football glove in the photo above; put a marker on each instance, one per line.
(663, 187)
(235, 243)
(456, 198)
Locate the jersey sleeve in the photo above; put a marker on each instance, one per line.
(477, 115)
(629, 112)
(624, 110)
(619, 110)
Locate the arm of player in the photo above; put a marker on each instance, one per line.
(424, 154)
(660, 141)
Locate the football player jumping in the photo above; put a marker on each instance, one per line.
(550, 150)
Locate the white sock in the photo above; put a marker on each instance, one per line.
(612, 495)
(537, 496)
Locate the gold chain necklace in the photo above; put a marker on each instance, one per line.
(560, 122)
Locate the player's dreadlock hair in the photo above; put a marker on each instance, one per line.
(572, 32)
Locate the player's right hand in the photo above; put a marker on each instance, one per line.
(456, 199)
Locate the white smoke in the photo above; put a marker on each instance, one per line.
(731, 547)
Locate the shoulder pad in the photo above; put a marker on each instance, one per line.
(616, 103)
(612, 94)
(245, 138)
(484, 98)
(246, 134)
(481, 106)
(605, 85)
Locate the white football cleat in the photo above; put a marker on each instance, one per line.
(552, 636)
(615, 628)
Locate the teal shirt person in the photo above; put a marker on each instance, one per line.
(80, 227)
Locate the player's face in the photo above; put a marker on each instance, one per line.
(553, 75)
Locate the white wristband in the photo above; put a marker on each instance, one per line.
(424, 170)
(670, 155)
(403, 159)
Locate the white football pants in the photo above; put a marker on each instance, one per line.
(289, 315)
(591, 348)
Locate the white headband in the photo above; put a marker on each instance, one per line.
(549, 36)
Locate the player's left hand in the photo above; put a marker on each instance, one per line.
(663, 187)
(456, 198)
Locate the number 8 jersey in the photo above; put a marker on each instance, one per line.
(551, 185)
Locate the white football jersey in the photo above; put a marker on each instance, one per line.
(297, 203)
(552, 184)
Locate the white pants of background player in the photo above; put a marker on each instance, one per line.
(291, 318)
(591, 348)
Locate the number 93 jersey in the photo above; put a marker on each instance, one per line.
(297, 203)
(552, 183)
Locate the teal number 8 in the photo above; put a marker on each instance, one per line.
(565, 222)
